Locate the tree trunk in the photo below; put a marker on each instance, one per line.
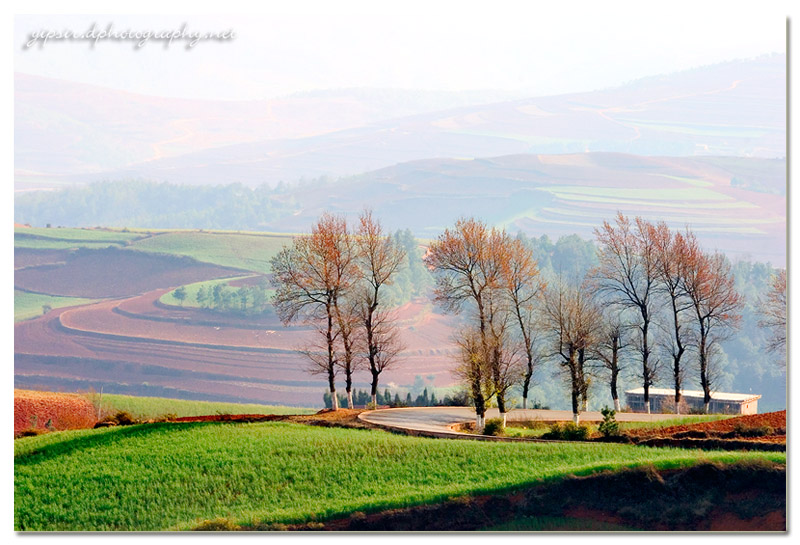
(525, 400)
(374, 388)
(576, 386)
(576, 418)
(617, 406)
(331, 360)
(646, 358)
(334, 399)
(614, 374)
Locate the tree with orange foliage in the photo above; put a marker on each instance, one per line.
(628, 276)
(709, 284)
(468, 261)
(310, 277)
(773, 312)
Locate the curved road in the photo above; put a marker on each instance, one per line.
(439, 421)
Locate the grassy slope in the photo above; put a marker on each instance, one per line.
(151, 407)
(29, 305)
(250, 252)
(169, 476)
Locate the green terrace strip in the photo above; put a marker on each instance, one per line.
(29, 305)
(75, 234)
(175, 476)
(246, 251)
(145, 408)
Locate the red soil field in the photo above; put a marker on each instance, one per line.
(43, 410)
(26, 257)
(153, 357)
(114, 272)
(775, 420)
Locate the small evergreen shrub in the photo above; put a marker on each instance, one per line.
(494, 426)
(609, 426)
(567, 432)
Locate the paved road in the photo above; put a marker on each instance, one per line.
(439, 420)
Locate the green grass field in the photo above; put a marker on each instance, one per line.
(29, 305)
(146, 408)
(174, 476)
(250, 252)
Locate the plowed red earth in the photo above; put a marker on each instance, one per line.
(151, 350)
(115, 273)
(775, 420)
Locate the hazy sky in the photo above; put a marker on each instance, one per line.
(519, 46)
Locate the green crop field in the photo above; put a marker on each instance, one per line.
(192, 289)
(145, 408)
(250, 252)
(29, 305)
(75, 234)
(174, 476)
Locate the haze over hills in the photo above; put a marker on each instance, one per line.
(735, 108)
(67, 128)
(731, 109)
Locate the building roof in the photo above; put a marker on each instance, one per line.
(717, 396)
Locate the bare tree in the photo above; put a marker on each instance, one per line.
(628, 275)
(773, 312)
(710, 286)
(520, 278)
(309, 278)
(347, 321)
(572, 320)
(671, 252)
(612, 340)
(380, 257)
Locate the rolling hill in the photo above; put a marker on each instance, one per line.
(732, 109)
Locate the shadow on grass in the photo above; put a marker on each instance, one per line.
(106, 437)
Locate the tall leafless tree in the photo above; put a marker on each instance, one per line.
(671, 252)
(520, 279)
(612, 340)
(572, 320)
(709, 284)
(628, 275)
(773, 313)
(380, 258)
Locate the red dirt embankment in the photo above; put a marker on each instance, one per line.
(756, 431)
(51, 411)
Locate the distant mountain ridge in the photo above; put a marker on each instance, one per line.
(729, 109)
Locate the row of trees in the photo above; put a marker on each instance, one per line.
(335, 279)
(653, 300)
(513, 321)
